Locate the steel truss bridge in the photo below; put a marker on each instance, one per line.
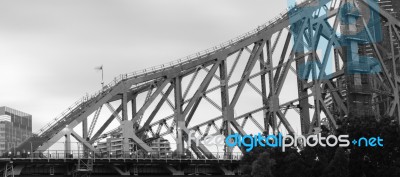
(320, 62)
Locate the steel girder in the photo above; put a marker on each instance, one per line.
(311, 41)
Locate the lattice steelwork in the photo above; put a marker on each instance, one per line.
(317, 63)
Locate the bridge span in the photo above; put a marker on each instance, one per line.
(86, 164)
(318, 63)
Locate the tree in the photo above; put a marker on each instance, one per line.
(339, 165)
(249, 158)
(262, 167)
(352, 161)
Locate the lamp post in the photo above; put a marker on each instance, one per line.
(216, 145)
(31, 148)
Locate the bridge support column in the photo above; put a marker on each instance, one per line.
(274, 108)
(67, 145)
(264, 89)
(271, 116)
(224, 104)
(124, 106)
(133, 105)
(84, 129)
(359, 97)
(85, 134)
(179, 119)
(302, 76)
(128, 133)
(124, 100)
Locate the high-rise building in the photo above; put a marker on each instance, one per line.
(114, 146)
(15, 127)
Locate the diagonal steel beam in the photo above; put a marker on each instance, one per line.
(281, 77)
(257, 49)
(151, 99)
(255, 88)
(104, 126)
(276, 41)
(190, 84)
(207, 70)
(377, 53)
(112, 110)
(234, 64)
(328, 114)
(285, 122)
(94, 121)
(168, 101)
(337, 98)
(238, 128)
(198, 94)
(394, 75)
(81, 140)
(156, 109)
(282, 58)
(244, 121)
(258, 125)
(212, 102)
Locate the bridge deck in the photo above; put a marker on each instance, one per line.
(120, 160)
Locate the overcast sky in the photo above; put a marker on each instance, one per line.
(49, 49)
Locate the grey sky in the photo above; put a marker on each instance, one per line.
(49, 49)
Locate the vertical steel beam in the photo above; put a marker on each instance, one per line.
(179, 118)
(133, 105)
(67, 144)
(264, 88)
(85, 129)
(225, 102)
(317, 76)
(394, 74)
(271, 119)
(124, 101)
(301, 80)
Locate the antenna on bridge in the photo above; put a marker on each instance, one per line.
(102, 75)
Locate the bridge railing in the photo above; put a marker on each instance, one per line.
(77, 105)
(137, 155)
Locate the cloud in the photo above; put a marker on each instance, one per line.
(48, 49)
